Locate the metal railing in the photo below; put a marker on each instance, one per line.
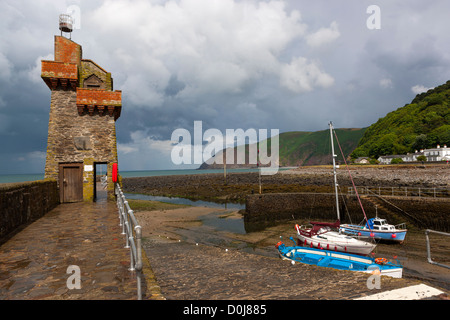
(403, 191)
(104, 181)
(133, 232)
(427, 232)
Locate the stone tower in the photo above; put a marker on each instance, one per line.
(81, 129)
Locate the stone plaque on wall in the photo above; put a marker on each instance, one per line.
(82, 143)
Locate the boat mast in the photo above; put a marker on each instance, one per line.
(334, 170)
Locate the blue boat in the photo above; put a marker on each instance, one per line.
(339, 260)
(376, 228)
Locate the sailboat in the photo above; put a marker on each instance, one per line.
(320, 234)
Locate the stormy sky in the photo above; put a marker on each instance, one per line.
(291, 65)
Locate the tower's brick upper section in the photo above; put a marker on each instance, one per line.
(93, 84)
(67, 51)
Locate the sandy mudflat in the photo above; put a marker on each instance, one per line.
(164, 223)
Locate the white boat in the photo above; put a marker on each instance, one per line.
(320, 235)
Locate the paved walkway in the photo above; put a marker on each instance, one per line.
(34, 262)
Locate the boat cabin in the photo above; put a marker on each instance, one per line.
(380, 224)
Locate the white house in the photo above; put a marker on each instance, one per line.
(362, 160)
(435, 154)
(388, 159)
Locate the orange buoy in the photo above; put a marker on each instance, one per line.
(381, 260)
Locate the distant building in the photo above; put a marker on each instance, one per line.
(437, 154)
(388, 159)
(362, 160)
(432, 155)
(412, 157)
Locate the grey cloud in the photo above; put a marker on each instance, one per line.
(243, 64)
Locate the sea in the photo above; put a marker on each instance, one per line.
(9, 178)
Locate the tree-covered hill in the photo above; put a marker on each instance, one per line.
(424, 123)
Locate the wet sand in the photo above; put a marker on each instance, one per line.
(192, 260)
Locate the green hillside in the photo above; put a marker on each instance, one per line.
(424, 123)
(314, 148)
(307, 148)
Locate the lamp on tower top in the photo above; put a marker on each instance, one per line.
(66, 24)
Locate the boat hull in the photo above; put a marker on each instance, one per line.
(336, 243)
(389, 235)
(338, 260)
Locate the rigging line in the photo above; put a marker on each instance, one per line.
(351, 178)
(345, 205)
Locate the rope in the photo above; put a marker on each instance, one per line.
(345, 205)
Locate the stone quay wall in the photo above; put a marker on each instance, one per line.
(24, 202)
(421, 212)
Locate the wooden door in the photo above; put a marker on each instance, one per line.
(71, 183)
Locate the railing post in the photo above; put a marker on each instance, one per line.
(429, 247)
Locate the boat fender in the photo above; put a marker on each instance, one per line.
(394, 236)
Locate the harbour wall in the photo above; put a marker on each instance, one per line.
(24, 202)
(423, 213)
